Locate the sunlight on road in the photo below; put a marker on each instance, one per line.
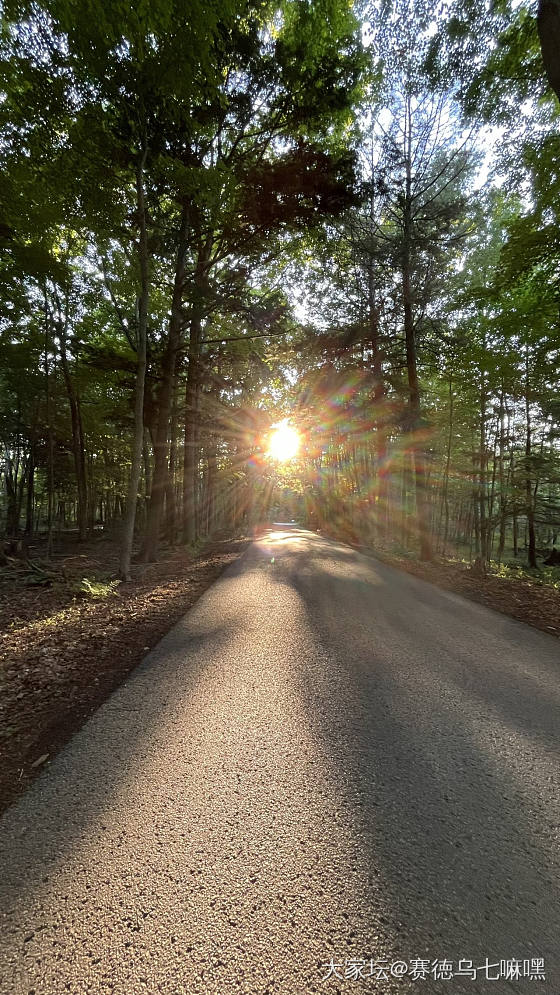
(282, 536)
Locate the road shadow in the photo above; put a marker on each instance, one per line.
(437, 759)
(445, 756)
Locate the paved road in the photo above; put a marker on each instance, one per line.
(326, 760)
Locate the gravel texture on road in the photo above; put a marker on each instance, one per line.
(325, 761)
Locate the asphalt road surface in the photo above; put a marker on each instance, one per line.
(328, 766)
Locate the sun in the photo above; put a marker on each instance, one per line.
(284, 442)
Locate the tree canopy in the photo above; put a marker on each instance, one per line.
(217, 216)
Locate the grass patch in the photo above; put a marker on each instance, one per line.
(543, 576)
(94, 588)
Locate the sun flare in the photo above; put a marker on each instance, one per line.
(283, 443)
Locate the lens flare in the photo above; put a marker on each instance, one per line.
(283, 443)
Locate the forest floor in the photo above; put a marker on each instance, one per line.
(530, 596)
(69, 635)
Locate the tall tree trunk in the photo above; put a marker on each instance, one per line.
(12, 510)
(170, 502)
(30, 491)
(378, 407)
(445, 497)
(415, 414)
(532, 550)
(147, 466)
(50, 434)
(210, 492)
(491, 497)
(501, 480)
(404, 500)
(78, 445)
(475, 501)
(190, 461)
(139, 386)
(192, 397)
(482, 477)
(169, 363)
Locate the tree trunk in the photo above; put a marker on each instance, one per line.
(192, 396)
(210, 495)
(161, 438)
(501, 481)
(78, 445)
(30, 491)
(170, 502)
(50, 435)
(532, 551)
(381, 521)
(12, 510)
(415, 417)
(139, 387)
(482, 478)
(445, 498)
(190, 462)
(475, 502)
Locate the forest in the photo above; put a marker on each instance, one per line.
(279, 496)
(224, 216)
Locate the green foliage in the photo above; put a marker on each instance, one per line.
(97, 589)
(316, 244)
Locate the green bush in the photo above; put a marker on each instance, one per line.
(92, 588)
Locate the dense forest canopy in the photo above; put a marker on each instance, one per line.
(224, 216)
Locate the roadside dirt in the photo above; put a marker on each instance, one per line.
(64, 649)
